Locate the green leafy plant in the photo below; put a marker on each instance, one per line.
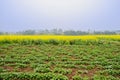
(42, 70)
(62, 71)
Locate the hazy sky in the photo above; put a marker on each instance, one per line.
(17, 15)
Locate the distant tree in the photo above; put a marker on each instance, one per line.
(54, 31)
(117, 32)
(29, 32)
(60, 31)
(104, 32)
(109, 32)
(46, 31)
(1, 33)
(70, 32)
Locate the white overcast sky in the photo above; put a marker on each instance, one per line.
(17, 15)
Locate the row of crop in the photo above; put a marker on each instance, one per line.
(32, 76)
(49, 76)
(62, 62)
(58, 42)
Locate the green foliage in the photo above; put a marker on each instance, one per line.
(62, 71)
(101, 77)
(32, 76)
(2, 70)
(42, 70)
(60, 42)
(20, 65)
(57, 61)
(54, 42)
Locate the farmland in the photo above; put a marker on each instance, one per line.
(46, 57)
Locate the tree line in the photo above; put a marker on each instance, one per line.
(59, 32)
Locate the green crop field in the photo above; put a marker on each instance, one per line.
(76, 60)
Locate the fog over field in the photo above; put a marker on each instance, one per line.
(18, 15)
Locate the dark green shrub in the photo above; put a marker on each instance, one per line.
(54, 42)
(38, 42)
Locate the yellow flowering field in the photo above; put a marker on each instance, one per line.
(57, 37)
